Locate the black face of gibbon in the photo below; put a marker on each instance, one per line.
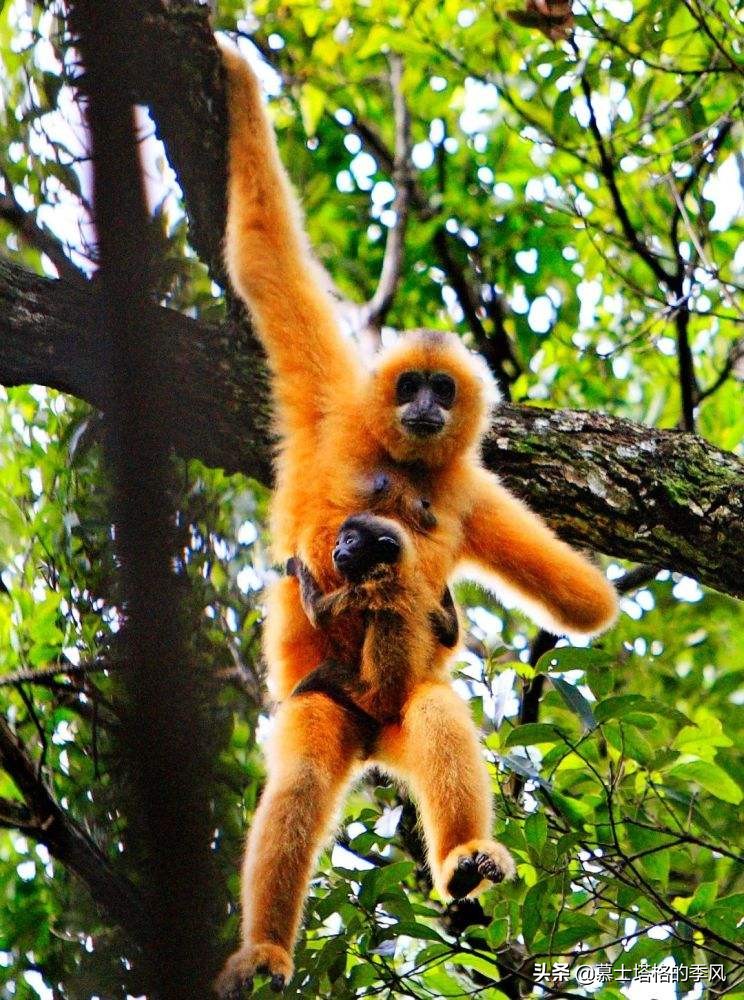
(423, 398)
(363, 543)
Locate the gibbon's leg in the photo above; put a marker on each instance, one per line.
(314, 748)
(271, 265)
(436, 751)
(559, 587)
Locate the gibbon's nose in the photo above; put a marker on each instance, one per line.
(342, 556)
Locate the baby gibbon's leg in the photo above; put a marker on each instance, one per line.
(313, 751)
(436, 750)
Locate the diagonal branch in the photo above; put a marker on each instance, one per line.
(373, 314)
(29, 229)
(40, 816)
(607, 169)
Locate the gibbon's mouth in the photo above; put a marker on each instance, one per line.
(423, 426)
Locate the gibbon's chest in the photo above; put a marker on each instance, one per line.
(313, 501)
(409, 493)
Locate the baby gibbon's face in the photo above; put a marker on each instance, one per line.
(429, 398)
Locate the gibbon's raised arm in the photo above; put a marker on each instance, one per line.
(271, 265)
(557, 586)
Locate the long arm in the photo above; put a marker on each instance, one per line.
(557, 586)
(271, 265)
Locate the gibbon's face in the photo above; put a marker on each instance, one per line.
(364, 543)
(424, 399)
(429, 398)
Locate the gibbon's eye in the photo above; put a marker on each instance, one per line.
(443, 387)
(407, 386)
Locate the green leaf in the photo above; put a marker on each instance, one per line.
(498, 932)
(376, 881)
(480, 963)
(575, 701)
(711, 777)
(533, 732)
(312, 105)
(703, 899)
(536, 830)
(561, 117)
(570, 658)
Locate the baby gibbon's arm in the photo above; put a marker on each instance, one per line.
(557, 586)
(270, 262)
(320, 608)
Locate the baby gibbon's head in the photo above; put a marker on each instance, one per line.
(367, 545)
(430, 398)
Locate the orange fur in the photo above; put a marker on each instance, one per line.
(338, 427)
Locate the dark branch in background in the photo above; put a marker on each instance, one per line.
(652, 496)
(163, 746)
(42, 818)
(672, 282)
(36, 235)
(373, 314)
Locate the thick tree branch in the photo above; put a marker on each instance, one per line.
(661, 497)
(49, 335)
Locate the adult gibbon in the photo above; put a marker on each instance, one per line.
(401, 440)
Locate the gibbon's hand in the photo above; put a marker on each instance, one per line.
(552, 17)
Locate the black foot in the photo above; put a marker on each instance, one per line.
(278, 982)
(470, 871)
(489, 868)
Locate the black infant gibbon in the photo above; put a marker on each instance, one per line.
(400, 440)
(376, 559)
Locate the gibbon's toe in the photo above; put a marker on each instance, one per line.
(235, 982)
(470, 868)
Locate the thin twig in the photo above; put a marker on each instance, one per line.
(374, 312)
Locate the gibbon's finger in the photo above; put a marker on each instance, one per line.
(278, 982)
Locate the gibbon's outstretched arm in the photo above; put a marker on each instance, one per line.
(559, 588)
(270, 263)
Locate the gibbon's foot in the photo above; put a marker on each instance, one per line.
(468, 869)
(235, 982)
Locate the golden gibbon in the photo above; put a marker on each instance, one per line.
(399, 439)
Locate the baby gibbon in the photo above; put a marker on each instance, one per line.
(400, 440)
(403, 623)
(394, 708)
